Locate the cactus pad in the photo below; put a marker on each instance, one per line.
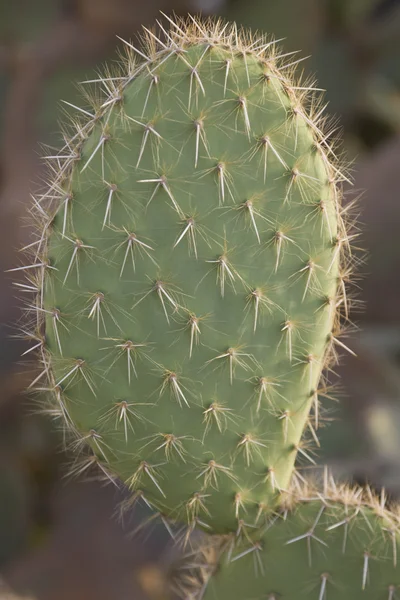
(344, 546)
(189, 273)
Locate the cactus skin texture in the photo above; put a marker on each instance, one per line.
(190, 273)
(190, 268)
(331, 542)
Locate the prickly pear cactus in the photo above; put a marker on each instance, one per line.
(331, 544)
(189, 264)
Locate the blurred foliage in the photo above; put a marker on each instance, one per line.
(24, 21)
(14, 502)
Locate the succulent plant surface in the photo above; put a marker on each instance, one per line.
(190, 279)
(190, 264)
(330, 542)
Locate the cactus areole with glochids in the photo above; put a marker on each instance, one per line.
(189, 268)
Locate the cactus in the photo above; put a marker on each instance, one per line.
(190, 269)
(330, 542)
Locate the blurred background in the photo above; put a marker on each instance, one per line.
(60, 539)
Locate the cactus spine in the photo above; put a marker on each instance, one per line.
(189, 271)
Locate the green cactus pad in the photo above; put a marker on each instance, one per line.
(322, 549)
(192, 274)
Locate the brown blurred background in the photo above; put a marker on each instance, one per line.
(60, 539)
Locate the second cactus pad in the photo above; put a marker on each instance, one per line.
(191, 274)
(323, 548)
